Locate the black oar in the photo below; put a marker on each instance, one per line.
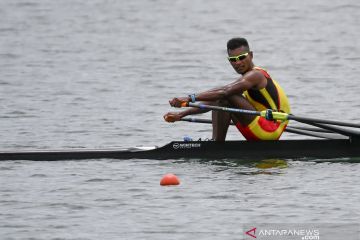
(272, 115)
(316, 120)
(335, 129)
(313, 132)
(311, 129)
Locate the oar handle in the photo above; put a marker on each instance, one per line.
(184, 104)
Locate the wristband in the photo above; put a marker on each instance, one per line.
(193, 99)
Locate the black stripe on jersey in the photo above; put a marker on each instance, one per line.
(271, 89)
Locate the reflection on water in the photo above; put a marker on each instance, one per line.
(272, 163)
(270, 166)
(264, 166)
(248, 167)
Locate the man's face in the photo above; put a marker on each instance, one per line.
(240, 59)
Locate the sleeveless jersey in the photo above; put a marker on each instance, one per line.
(272, 96)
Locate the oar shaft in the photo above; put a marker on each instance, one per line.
(224, 109)
(313, 132)
(332, 122)
(197, 120)
(343, 131)
(272, 115)
(268, 114)
(318, 134)
(208, 121)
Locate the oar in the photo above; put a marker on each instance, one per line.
(335, 129)
(313, 132)
(271, 115)
(202, 120)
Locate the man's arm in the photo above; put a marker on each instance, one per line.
(177, 116)
(253, 79)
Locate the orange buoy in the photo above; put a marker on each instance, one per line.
(169, 179)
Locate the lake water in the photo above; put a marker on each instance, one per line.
(99, 74)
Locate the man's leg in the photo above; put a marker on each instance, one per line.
(221, 120)
(220, 123)
(237, 101)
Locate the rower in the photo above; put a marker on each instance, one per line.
(254, 90)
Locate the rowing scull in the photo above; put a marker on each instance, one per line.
(239, 150)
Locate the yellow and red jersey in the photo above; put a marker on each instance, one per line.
(272, 96)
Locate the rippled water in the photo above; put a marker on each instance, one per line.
(98, 74)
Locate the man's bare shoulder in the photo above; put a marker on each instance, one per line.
(255, 77)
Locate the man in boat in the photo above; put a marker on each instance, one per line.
(254, 90)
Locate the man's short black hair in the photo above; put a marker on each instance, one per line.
(236, 43)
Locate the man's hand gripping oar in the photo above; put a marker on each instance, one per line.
(178, 103)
